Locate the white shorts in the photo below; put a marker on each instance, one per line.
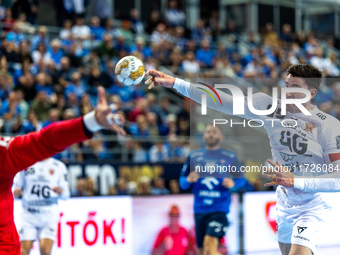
(37, 226)
(301, 224)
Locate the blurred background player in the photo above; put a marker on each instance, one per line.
(212, 195)
(172, 239)
(40, 185)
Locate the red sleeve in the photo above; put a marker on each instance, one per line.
(23, 151)
(159, 239)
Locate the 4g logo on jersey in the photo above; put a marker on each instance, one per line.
(292, 142)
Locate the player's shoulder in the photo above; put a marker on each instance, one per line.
(57, 163)
(196, 153)
(227, 153)
(326, 120)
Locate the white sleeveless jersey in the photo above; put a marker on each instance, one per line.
(306, 148)
(37, 183)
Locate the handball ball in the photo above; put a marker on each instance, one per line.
(130, 70)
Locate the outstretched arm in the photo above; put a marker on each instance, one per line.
(23, 151)
(195, 91)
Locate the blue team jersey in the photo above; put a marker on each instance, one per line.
(209, 193)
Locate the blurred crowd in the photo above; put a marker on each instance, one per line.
(145, 186)
(46, 77)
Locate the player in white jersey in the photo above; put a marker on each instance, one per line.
(303, 143)
(40, 185)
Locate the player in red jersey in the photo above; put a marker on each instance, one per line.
(20, 152)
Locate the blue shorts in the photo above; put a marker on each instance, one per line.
(212, 224)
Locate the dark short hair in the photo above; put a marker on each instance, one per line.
(311, 74)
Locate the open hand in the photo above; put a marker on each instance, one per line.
(280, 175)
(58, 190)
(104, 116)
(228, 183)
(159, 78)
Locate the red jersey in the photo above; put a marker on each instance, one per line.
(178, 240)
(17, 154)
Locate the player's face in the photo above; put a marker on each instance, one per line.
(296, 82)
(212, 136)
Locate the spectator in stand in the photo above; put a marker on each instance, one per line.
(24, 53)
(41, 106)
(159, 153)
(96, 29)
(73, 103)
(91, 190)
(174, 186)
(65, 72)
(24, 25)
(41, 53)
(122, 187)
(270, 37)
(139, 109)
(76, 86)
(53, 117)
(15, 35)
(110, 28)
(153, 21)
(121, 46)
(159, 187)
(95, 150)
(162, 109)
(172, 239)
(56, 52)
(80, 188)
(26, 84)
(10, 112)
(81, 31)
(137, 24)
(160, 34)
(95, 79)
(140, 48)
(90, 60)
(286, 34)
(74, 56)
(151, 119)
(109, 74)
(140, 128)
(60, 104)
(6, 86)
(42, 84)
(85, 104)
(66, 32)
(179, 37)
(190, 64)
(205, 55)
(318, 60)
(41, 37)
(170, 126)
(125, 32)
(8, 21)
(173, 15)
(140, 155)
(10, 52)
(106, 51)
(198, 33)
(144, 187)
(30, 124)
